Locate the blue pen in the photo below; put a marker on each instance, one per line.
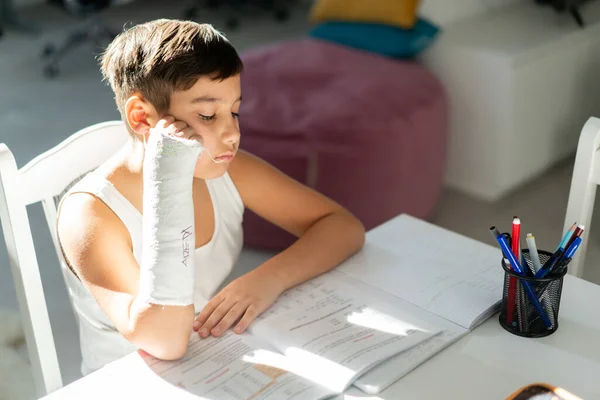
(573, 247)
(530, 269)
(519, 271)
(567, 254)
(560, 250)
(566, 238)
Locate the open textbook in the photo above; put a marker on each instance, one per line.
(312, 343)
(443, 273)
(367, 323)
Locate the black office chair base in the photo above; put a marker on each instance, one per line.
(282, 15)
(278, 7)
(94, 32)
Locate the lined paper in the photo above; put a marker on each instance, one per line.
(450, 275)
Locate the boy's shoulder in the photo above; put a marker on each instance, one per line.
(83, 218)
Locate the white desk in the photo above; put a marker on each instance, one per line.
(489, 363)
(498, 363)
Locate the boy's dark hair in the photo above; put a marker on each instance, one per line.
(163, 56)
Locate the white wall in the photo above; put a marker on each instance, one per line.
(445, 12)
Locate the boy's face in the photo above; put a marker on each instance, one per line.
(211, 108)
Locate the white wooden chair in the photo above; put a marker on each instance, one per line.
(43, 180)
(586, 176)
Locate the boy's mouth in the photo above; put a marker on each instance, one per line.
(226, 157)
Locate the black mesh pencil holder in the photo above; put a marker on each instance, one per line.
(523, 316)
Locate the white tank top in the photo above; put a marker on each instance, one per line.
(101, 343)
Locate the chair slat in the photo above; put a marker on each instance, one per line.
(28, 283)
(595, 175)
(48, 174)
(42, 179)
(584, 183)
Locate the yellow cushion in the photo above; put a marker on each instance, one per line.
(401, 13)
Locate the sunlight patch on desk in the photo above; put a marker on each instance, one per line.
(316, 369)
(326, 348)
(382, 322)
(233, 367)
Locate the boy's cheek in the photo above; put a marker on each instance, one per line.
(206, 169)
(200, 168)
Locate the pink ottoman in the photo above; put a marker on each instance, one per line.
(367, 131)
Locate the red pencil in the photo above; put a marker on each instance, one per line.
(577, 233)
(512, 282)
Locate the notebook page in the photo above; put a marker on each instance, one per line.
(383, 375)
(234, 367)
(450, 275)
(391, 370)
(338, 328)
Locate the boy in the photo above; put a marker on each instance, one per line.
(152, 233)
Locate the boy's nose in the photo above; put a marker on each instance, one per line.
(231, 134)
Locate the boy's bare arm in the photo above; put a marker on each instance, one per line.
(327, 232)
(98, 247)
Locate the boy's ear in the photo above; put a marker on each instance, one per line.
(141, 116)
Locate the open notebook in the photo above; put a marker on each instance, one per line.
(398, 302)
(446, 275)
(312, 343)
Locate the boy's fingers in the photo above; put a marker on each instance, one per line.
(186, 133)
(179, 126)
(217, 315)
(175, 128)
(164, 122)
(208, 309)
(229, 319)
(249, 316)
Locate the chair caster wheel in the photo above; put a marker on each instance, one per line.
(51, 71)
(190, 14)
(232, 23)
(48, 50)
(282, 15)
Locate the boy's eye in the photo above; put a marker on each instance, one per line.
(206, 117)
(235, 115)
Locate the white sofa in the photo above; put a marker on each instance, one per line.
(522, 80)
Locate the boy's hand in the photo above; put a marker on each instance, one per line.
(242, 300)
(175, 128)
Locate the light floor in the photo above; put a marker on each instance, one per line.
(36, 114)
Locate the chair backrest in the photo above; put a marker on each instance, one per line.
(43, 180)
(586, 177)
